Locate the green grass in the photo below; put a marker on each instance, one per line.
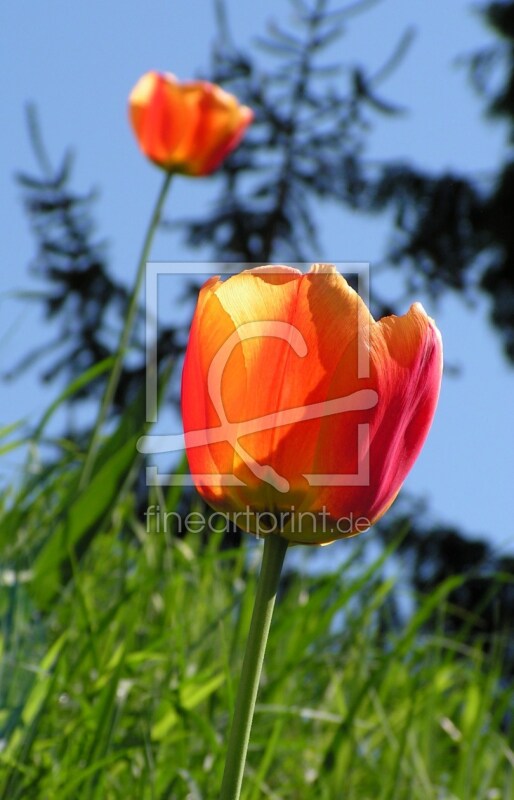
(120, 664)
(123, 688)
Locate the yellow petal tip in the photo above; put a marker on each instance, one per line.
(324, 268)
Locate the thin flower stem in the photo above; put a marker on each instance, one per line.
(273, 557)
(114, 377)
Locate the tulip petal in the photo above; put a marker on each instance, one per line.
(269, 375)
(406, 367)
(159, 115)
(218, 127)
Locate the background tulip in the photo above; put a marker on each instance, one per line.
(345, 466)
(186, 127)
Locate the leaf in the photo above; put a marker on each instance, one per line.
(82, 515)
(75, 386)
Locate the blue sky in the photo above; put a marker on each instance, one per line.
(78, 61)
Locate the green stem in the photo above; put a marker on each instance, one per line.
(114, 377)
(274, 551)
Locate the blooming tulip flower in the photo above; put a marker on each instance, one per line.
(299, 405)
(186, 127)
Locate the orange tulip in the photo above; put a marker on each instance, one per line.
(297, 405)
(186, 127)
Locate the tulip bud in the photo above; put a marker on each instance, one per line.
(299, 408)
(186, 127)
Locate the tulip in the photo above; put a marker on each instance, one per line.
(298, 405)
(186, 127)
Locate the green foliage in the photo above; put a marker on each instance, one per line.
(122, 686)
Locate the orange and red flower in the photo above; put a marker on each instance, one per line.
(186, 127)
(297, 402)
